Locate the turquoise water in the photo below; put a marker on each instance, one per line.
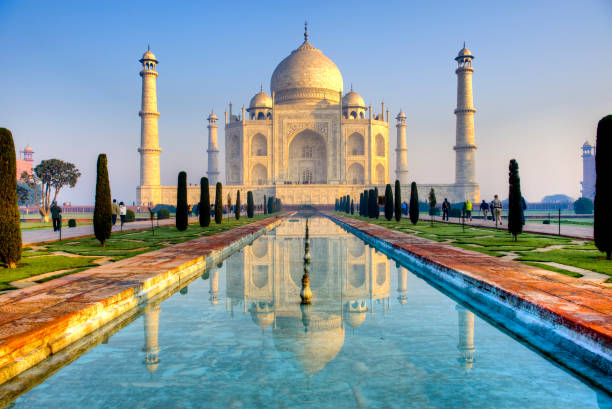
(376, 336)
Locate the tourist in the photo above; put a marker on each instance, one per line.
(114, 211)
(496, 209)
(484, 209)
(445, 209)
(468, 209)
(122, 213)
(56, 216)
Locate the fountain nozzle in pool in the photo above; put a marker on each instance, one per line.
(305, 293)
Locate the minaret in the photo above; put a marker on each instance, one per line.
(151, 327)
(149, 137)
(588, 171)
(465, 320)
(213, 150)
(402, 284)
(465, 147)
(214, 286)
(401, 163)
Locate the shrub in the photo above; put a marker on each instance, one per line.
(250, 205)
(388, 202)
(603, 186)
(130, 216)
(218, 203)
(163, 214)
(454, 212)
(515, 207)
(182, 209)
(413, 211)
(10, 231)
(102, 219)
(546, 222)
(237, 207)
(584, 205)
(72, 223)
(170, 208)
(398, 201)
(204, 203)
(352, 207)
(376, 205)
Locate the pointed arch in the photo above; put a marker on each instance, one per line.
(380, 145)
(259, 145)
(356, 145)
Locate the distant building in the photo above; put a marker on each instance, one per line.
(25, 162)
(588, 171)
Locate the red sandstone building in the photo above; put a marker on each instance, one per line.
(25, 162)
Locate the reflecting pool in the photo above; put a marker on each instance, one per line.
(375, 336)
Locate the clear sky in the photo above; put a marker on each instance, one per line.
(69, 83)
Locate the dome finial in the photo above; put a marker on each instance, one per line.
(148, 47)
(351, 87)
(305, 31)
(260, 87)
(463, 44)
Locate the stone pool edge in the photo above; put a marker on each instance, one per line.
(573, 343)
(23, 351)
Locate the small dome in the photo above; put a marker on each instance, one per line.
(28, 149)
(586, 145)
(261, 100)
(212, 116)
(354, 318)
(401, 115)
(148, 56)
(353, 99)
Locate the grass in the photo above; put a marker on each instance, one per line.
(121, 245)
(498, 243)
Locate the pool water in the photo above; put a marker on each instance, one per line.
(375, 336)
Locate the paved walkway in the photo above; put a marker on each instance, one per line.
(583, 308)
(39, 321)
(578, 232)
(48, 235)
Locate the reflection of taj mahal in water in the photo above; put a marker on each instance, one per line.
(307, 142)
(349, 280)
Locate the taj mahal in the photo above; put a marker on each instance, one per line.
(307, 142)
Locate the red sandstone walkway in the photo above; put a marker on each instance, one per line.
(581, 306)
(578, 232)
(40, 320)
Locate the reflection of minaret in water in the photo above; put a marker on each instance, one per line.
(465, 320)
(151, 326)
(402, 284)
(214, 287)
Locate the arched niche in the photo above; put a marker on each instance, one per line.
(259, 145)
(356, 174)
(380, 145)
(259, 175)
(380, 174)
(356, 145)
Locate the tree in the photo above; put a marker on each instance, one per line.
(352, 207)
(388, 202)
(265, 205)
(250, 205)
(413, 210)
(432, 203)
(182, 209)
(10, 230)
(54, 174)
(102, 219)
(218, 203)
(584, 205)
(361, 204)
(347, 204)
(270, 205)
(204, 207)
(603, 188)
(229, 204)
(371, 203)
(398, 201)
(376, 208)
(31, 181)
(237, 207)
(336, 205)
(366, 204)
(515, 206)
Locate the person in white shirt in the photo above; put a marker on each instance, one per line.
(122, 213)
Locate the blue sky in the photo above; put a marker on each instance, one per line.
(543, 78)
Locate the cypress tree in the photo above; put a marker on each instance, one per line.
(603, 190)
(182, 210)
(515, 219)
(361, 204)
(102, 219)
(10, 230)
(398, 201)
(371, 203)
(352, 207)
(388, 202)
(218, 203)
(265, 205)
(414, 203)
(376, 208)
(250, 205)
(204, 208)
(237, 207)
(366, 203)
(348, 204)
(270, 205)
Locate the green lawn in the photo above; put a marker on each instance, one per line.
(121, 245)
(499, 243)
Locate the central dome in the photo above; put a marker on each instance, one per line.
(306, 75)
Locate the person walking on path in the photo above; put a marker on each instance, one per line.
(56, 216)
(496, 208)
(484, 209)
(468, 209)
(122, 213)
(445, 209)
(114, 211)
